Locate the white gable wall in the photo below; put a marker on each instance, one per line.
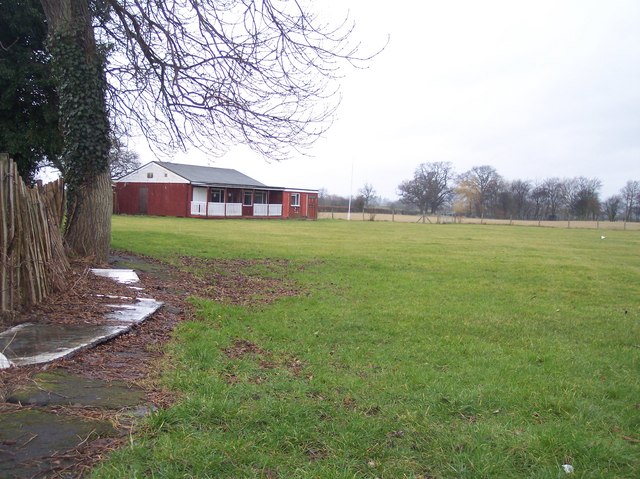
(152, 173)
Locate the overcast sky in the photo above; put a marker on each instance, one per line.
(533, 88)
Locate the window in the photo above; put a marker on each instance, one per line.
(295, 199)
(217, 196)
(260, 197)
(248, 198)
(150, 174)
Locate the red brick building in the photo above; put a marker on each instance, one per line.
(172, 189)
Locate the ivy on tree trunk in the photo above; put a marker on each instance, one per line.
(78, 70)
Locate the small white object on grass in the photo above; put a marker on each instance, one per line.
(568, 468)
(602, 237)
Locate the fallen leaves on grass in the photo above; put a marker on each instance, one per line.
(242, 347)
(241, 281)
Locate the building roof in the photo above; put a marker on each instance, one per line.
(207, 175)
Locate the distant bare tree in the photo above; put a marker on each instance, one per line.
(538, 201)
(555, 196)
(369, 196)
(583, 197)
(430, 187)
(503, 202)
(611, 207)
(122, 161)
(520, 193)
(630, 194)
(479, 186)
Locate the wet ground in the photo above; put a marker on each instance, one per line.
(34, 343)
(37, 435)
(34, 442)
(61, 388)
(48, 417)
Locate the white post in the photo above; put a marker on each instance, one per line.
(350, 191)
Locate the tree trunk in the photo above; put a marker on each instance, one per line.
(78, 70)
(88, 232)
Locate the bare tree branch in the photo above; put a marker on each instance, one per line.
(213, 74)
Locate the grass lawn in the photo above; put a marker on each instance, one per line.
(417, 351)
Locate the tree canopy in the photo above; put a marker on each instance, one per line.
(28, 98)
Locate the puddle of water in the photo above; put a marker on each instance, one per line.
(40, 343)
(124, 276)
(4, 362)
(33, 440)
(133, 313)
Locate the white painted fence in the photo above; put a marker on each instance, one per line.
(198, 208)
(234, 209)
(267, 210)
(216, 209)
(202, 208)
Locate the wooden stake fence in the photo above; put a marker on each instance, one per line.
(33, 263)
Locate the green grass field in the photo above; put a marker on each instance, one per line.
(417, 351)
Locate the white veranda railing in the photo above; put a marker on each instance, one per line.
(202, 208)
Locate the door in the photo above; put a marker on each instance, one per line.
(247, 203)
(312, 207)
(143, 201)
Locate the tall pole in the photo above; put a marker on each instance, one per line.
(350, 192)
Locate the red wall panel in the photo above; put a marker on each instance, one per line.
(307, 208)
(160, 199)
(169, 199)
(126, 200)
